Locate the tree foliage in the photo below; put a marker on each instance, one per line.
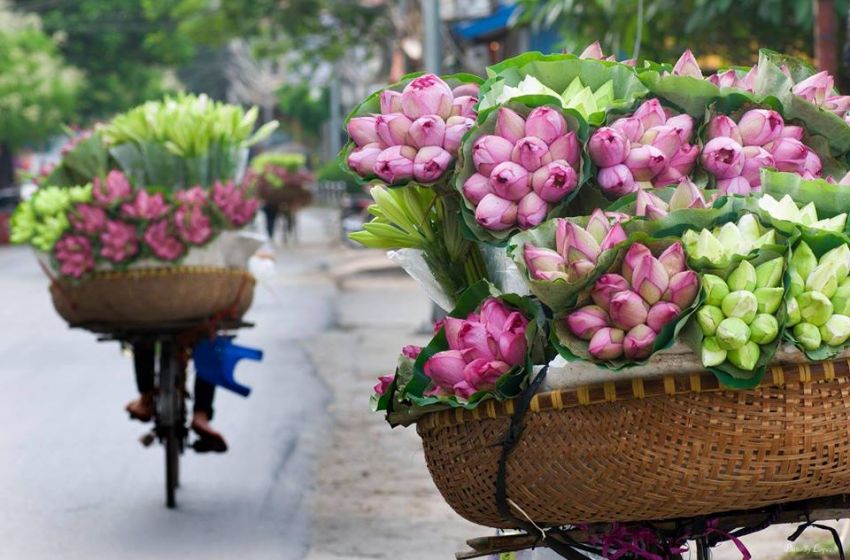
(303, 111)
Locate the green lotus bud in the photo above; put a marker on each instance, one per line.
(732, 333)
(689, 240)
(836, 224)
(796, 285)
(807, 335)
(741, 305)
(768, 238)
(708, 247)
(712, 354)
(769, 274)
(743, 277)
(714, 288)
(808, 214)
(769, 299)
(730, 237)
(792, 312)
(708, 317)
(815, 308)
(750, 228)
(840, 258)
(841, 298)
(764, 328)
(746, 357)
(836, 330)
(803, 260)
(50, 201)
(80, 194)
(823, 279)
(786, 210)
(23, 223)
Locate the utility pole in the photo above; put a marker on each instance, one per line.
(431, 31)
(826, 48)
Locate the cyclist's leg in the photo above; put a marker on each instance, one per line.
(210, 439)
(144, 358)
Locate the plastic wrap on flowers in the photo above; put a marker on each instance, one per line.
(560, 258)
(633, 309)
(521, 164)
(592, 87)
(410, 132)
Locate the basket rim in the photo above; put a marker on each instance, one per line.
(138, 273)
(635, 389)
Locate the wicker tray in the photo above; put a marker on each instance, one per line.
(640, 450)
(154, 295)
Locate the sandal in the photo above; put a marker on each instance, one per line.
(142, 408)
(208, 441)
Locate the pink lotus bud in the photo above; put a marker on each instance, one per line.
(554, 275)
(645, 162)
(645, 199)
(411, 351)
(427, 95)
(566, 148)
(607, 147)
(539, 260)
(655, 212)
(748, 82)
(760, 126)
(475, 342)
(545, 123)
(605, 287)
(456, 129)
(446, 368)
(531, 210)
(755, 158)
(736, 185)
(580, 268)
(383, 384)
(509, 125)
(838, 104)
(451, 327)
(476, 187)
(429, 130)
(729, 78)
(531, 153)
(627, 309)
(562, 236)
(580, 245)
(146, 206)
(598, 225)
(616, 181)
(845, 180)
(481, 375)
(115, 188)
(466, 89)
(633, 256)
(363, 130)
(650, 113)
(815, 88)
(431, 163)
(791, 131)
(362, 160)
(631, 128)
(395, 164)
(88, 218)
(666, 138)
(554, 181)
(614, 237)
(119, 241)
(489, 151)
(497, 316)
(661, 314)
(687, 65)
(789, 154)
(684, 125)
(638, 342)
(585, 322)
(723, 157)
(721, 126)
(607, 344)
(75, 255)
(496, 213)
(812, 166)
(673, 259)
(687, 195)
(162, 242)
(684, 159)
(464, 106)
(650, 279)
(592, 51)
(390, 102)
(510, 180)
(682, 289)
(392, 129)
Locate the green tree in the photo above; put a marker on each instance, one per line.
(302, 111)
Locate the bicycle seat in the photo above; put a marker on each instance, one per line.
(215, 359)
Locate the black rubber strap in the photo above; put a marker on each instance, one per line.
(835, 536)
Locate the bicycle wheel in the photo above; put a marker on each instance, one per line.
(172, 465)
(170, 419)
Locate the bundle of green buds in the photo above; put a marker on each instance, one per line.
(738, 315)
(818, 302)
(718, 246)
(786, 209)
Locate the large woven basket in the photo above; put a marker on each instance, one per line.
(154, 296)
(641, 450)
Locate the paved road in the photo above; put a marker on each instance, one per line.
(74, 481)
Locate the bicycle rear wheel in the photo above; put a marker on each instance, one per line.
(171, 417)
(172, 465)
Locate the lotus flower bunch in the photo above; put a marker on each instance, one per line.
(193, 223)
(75, 255)
(735, 153)
(417, 133)
(818, 305)
(719, 245)
(486, 345)
(651, 148)
(409, 352)
(528, 166)
(686, 195)
(577, 96)
(234, 202)
(820, 90)
(739, 313)
(576, 249)
(787, 209)
(632, 305)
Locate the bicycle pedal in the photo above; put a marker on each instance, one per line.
(147, 439)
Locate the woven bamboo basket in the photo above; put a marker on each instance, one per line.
(154, 296)
(642, 450)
